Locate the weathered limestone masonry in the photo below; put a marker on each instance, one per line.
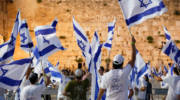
(93, 15)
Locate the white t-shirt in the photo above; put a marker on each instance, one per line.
(178, 88)
(62, 86)
(142, 83)
(25, 82)
(32, 92)
(172, 83)
(116, 84)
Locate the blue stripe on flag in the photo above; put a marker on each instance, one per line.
(45, 31)
(146, 13)
(107, 45)
(29, 45)
(141, 72)
(47, 50)
(167, 36)
(19, 62)
(110, 28)
(7, 55)
(46, 70)
(10, 82)
(56, 74)
(79, 33)
(24, 25)
(168, 49)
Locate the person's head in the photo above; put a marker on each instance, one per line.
(146, 78)
(65, 72)
(33, 78)
(176, 71)
(101, 70)
(118, 62)
(78, 74)
(79, 65)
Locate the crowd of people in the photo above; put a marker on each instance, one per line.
(113, 84)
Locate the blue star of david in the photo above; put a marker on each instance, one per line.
(45, 41)
(81, 45)
(135, 69)
(4, 71)
(12, 40)
(145, 3)
(24, 37)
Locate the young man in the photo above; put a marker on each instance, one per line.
(34, 90)
(172, 82)
(77, 89)
(100, 74)
(115, 81)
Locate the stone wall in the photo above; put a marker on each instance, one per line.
(94, 15)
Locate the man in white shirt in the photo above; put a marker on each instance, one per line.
(115, 81)
(62, 84)
(172, 82)
(34, 90)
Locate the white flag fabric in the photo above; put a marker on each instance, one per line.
(56, 76)
(137, 11)
(26, 41)
(111, 27)
(95, 63)
(7, 49)
(167, 34)
(47, 42)
(81, 37)
(139, 70)
(82, 41)
(12, 74)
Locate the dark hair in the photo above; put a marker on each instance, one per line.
(147, 78)
(79, 77)
(79, 65)
(33, 78)
(102, 68)
(115, 66)
(176, 71)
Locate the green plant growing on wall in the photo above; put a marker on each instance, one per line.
(177, 41)
(39, 1)
(150, 39)
(62, 37)
(79, 60)
(177, 12)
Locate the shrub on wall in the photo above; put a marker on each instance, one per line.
(150, 39)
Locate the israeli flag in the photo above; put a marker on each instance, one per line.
(7, 49)
(56, 76)
(47, 42)
(137, 11)
(167, 34)
(95, 64)
(26, 42)
(111, 27)
(81, 37)
(12, 74)
(139, 70)
(171, 50)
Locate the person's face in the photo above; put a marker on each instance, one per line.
(101, 72)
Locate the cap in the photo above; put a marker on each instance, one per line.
(78, 73)
(118, 59)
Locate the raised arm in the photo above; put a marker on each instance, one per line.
(133, 58)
